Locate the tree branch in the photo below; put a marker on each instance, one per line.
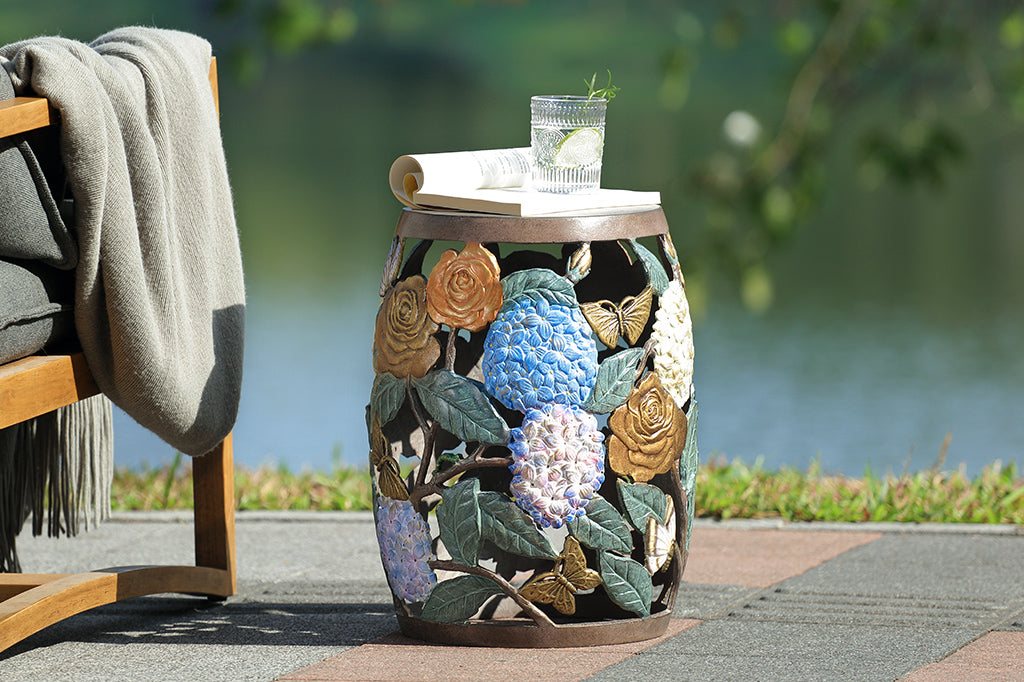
(807, 84)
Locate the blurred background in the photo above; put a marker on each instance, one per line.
(842, 178)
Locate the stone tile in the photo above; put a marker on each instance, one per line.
(702, 601)
(742, 651)
(760, 558)
(996, 656)
(399, 658)
(941, 567)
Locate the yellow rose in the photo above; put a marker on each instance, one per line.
(403, 338)
(648, 432)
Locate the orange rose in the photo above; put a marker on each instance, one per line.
(648, 432)
(403, 338)
(463, 290)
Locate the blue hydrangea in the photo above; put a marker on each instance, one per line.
(537, 352)
(404, 541)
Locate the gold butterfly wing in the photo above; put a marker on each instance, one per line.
(603, 321)
(635, 313)
(574, 566)
(389, 480)
(546, 588)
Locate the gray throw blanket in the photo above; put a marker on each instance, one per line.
(159, 295)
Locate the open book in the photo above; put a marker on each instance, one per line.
(494, 181)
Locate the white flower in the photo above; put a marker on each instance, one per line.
(557, 463)
(673, 336)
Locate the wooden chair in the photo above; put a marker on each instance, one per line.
(38, 384)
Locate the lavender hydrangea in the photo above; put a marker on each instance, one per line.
(404, 541)
(557, 463)
(537, 352)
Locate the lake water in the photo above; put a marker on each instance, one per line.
(851, 386)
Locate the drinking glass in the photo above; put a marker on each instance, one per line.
(567, 142)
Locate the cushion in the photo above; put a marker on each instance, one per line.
(31, 224)
(36, 308)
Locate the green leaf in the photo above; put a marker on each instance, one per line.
(656, 274)
(615, 379)
(690, 459)
(627, 583)
(387, 396)
(688, 463)
(504, 524)
(458, 520)
(461, 408)
(537, 283)
(641, 501)
(456, 600)
(602, 527)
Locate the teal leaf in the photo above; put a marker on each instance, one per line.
(656, 274)
(602, 527)
(461, 408)
(537, 283)
(615, 377)
(458, 520)
(690, 458)
(387, 396)
(688, 463)
(456, 600)
(504, 524)
(627, 583)
(641, 501)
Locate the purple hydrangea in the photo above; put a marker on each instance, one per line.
(404, 541)
(557, 463)
(538, 352)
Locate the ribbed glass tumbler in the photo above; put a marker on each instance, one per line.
(567, 143)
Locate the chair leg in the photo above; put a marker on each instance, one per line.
(214, 500)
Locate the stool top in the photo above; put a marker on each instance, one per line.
(461, 226)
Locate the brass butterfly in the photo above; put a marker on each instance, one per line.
(389, 481)
(661, 538)
(627, 319)
(559, 587)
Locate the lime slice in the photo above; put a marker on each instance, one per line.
(581, 147)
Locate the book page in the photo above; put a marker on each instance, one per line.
(454, 172)
(519, 201)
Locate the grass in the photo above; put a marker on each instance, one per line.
(725, 490)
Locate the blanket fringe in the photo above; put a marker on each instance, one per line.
(56, 469)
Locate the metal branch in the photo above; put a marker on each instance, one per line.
(507, 588)
(449, 351)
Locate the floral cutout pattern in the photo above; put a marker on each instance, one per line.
(506, 490)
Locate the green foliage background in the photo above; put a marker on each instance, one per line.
(851, 113)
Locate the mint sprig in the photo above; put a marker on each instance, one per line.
(608, 92)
